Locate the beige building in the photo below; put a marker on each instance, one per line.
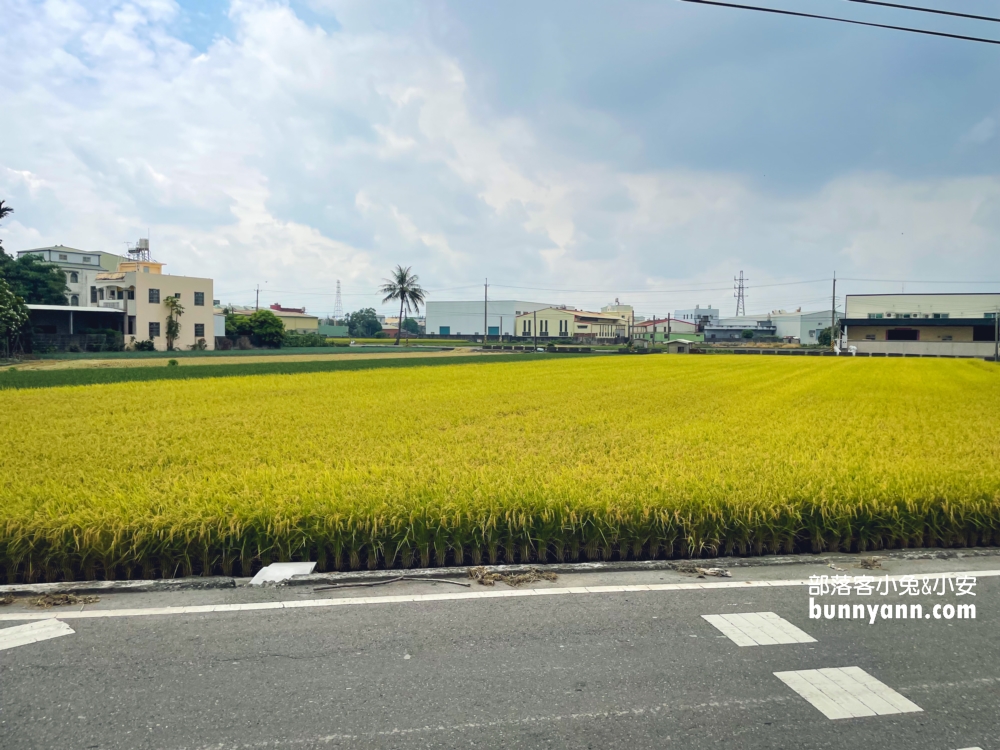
(943, 324)
(139, 287)
(579, 325)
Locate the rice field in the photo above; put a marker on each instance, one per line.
(600, 457)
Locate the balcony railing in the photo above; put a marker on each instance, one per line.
(114, 304)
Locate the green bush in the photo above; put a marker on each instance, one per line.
(306, 339)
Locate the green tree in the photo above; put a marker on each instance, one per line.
(411, 325)
(34, 280)
(174, 311)
(13, 319)
(405, 287)
(363, 323)
(747, 333)
(267, 328)
(238, 325)
(4, 211)
(824, 336)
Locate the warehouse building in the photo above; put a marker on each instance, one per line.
(956, 325)
(579, 325)
(471, 318)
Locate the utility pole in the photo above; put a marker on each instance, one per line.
(741, 307)
(996, 335)
(257, 304)
(534, 327)
(486, 321)
(833, 311)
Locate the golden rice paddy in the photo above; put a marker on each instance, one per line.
(587, 458)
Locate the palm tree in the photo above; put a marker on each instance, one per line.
(403, 286)
(174, 311)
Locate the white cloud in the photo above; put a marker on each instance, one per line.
(296, 155)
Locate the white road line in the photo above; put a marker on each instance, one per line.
(452, 596)
(43, 630)
(846, 693)
(758, 629)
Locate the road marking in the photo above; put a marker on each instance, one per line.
(451, 596)
(846, 693)
(22, 635)
(758, 629)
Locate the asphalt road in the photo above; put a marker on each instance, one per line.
(602, 670)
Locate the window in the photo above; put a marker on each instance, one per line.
(62, 256)
(74, 278)
(131, 294)
(154, 296)
(154, 330)
(902, 334)
(874, 315)
(74, 300)
(100, 293)
(199, 330)
(177, 295)
(869, 337)
(990, 316)
(941, 315)
(946, 338)
(582, 328)
(93, 294)
(86, 259)
(145, 269)
(199, 299)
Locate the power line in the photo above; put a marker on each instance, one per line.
(842, 20)
(926, 10)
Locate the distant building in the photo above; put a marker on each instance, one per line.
(294, 319)
(624, 311)
(466, 318)
(579, 325)
(80, 267)
(332, 331)
(124, 294)
(942, 324)
(732, 330)
(701, 316)
(666, 329)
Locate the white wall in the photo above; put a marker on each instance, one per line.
(466, 317)
(955, 305)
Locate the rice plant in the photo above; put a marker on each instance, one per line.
(517, 461)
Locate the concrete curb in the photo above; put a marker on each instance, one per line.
(462, 572)
(195, 583)
(119, 587)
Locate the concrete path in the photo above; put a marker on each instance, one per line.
(740, 666)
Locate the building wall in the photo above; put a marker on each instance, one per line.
(954, 305)
(927, 333)
(466, 317)
(146, 312)
(298, 323)
(939, 348)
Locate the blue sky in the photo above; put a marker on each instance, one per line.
(570, 151)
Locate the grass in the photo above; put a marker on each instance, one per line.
(390, 341)
(187, 353)
(519, 460)
(18, 379)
